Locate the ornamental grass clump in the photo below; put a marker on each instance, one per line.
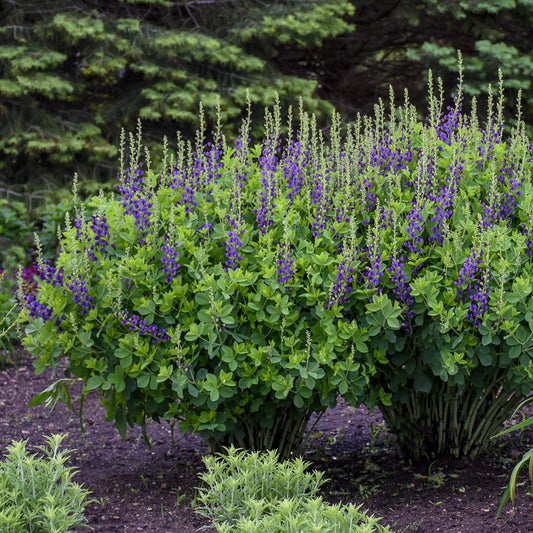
(240, 289)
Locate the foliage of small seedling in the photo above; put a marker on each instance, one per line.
(37, 495)
(434, 478)
(255, 492)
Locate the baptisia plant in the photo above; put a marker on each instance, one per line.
(204, 292)
(452, 247)
(240, 289)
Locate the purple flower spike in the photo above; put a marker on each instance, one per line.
(80, 294)
(100, 229)
(136, 196)
(135, 323)
(343, 284)
(170, 258)
(233, 244)
(285, 262)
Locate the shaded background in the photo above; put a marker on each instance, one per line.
(73, 73)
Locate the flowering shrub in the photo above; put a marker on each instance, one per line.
(240, 289)
(199, 294)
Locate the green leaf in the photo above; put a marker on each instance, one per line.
(120, 422)
(515, 351)
(143, 380)
(422, 383)
(85, 338)
(298, 401)
(94, 382)
(486, 339)
(147, 309)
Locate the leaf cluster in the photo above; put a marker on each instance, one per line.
(256, 492)
(37, 494)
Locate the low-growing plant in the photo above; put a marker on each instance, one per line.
(255, 492)
(527, 459)
(37, 494)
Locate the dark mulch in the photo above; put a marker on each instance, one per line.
(153, 488)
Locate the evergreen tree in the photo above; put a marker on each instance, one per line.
(396, 42)
(72, 73)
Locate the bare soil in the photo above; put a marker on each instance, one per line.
(152, 488)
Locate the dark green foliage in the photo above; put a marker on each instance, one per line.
(71, 77)
(396, 42)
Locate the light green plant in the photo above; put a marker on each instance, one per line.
(37, 495)
(255, 492)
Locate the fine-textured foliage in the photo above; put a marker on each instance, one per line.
(37, 495)
(71, 76)
(255, 492)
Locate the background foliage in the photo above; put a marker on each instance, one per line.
(72, 76)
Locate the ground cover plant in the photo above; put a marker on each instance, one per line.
(239, 289)
(255, 492)
(37, 494)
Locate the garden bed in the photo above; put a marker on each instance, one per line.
(153, 488)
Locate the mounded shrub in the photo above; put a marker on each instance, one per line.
(240, 289)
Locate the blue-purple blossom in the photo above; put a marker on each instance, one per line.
(414, 229)
(479, 300)
(402, 289)
(285, 262)
(80, 293)
(292, 166)
(205, 230)
(136, 198)
(233, 244)
(136, 323)
(170, 258)
(526, 229)
(343, 283)
(51, 274)
(472, 286)
(37, 309)
(443, 211)
(450, 122)
(100, 229)
(267, 164)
